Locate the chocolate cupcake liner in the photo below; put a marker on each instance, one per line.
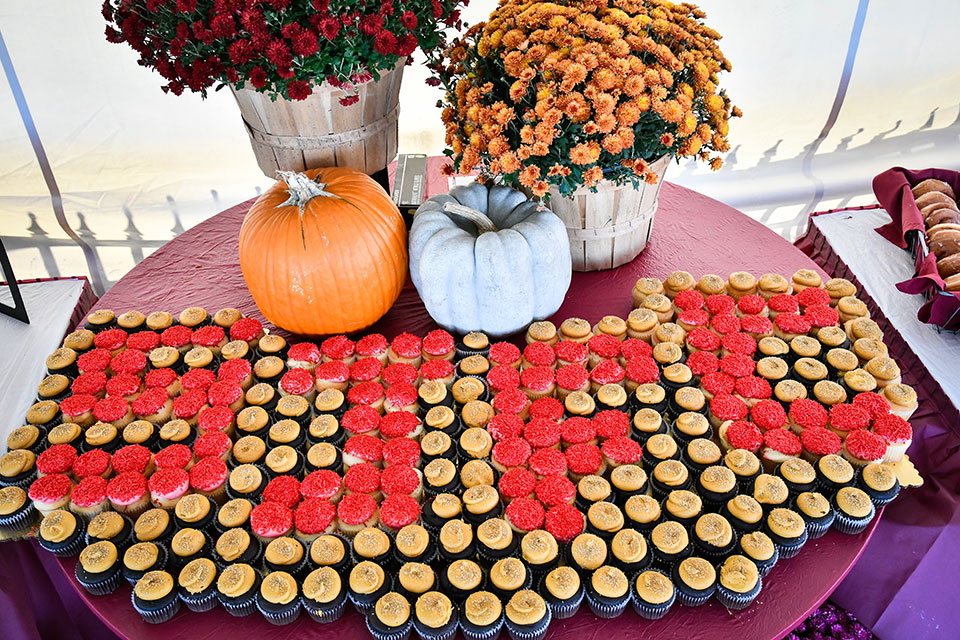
(364, 603)
(539, 570)
(713, 553)
(764, 567)
(606, 608)
(385, 633)
(643, 436)
(70, 547)
(133, 576)
(667, 561)
(204, 601)
(529, 631)
(469, 551)
(563, 609)
(736, 601)
(23, 481)
(506, 594)
(790, 549)
(819, 527)
(384, 559)
(692, 600)
(427, 557)
(652, 611)
(157, 616)
(106, 585)
(297, 570)
(461, 352)
(283, 616)
(19, 521)
(490, 556)
(326, 613)
(476, 519)
(473, 632)
(446, 632)
(851, 526)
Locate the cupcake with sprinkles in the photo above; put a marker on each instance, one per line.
(695, 580)
(878, 481)
(739, 582)
(652, 594)
(854, 510)
(155, 597)
(816, 512)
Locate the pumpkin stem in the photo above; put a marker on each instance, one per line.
(301, 190)
(484, 224)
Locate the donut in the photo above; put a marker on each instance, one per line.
(952, 283)
(931, 184)
(940, 227)
(930, 208)
(949, 267)
(935, 196)
(947, 243)
(942, 216)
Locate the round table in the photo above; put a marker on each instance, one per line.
(691, 232)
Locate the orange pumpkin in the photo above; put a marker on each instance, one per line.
(324, 251)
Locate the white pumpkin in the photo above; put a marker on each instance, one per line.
(488, 259)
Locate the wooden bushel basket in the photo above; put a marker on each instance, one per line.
(612, 226)
(294, 135)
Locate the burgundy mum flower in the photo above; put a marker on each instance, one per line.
(298, 90)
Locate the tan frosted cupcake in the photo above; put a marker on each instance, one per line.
(575, 330)
(641, 323)
(805, 278)
(543, 331)
(646, 287)
(711, 285)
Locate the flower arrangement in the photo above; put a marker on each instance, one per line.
(573, 92)
(281, 47)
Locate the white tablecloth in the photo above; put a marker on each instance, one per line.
(25, 346)
(879, 266)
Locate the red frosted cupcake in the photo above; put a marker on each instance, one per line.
(693, 319)
(740, 434)
(128, 493)
(114, 410)
(89, 497)
(897, 432)
(537, 381)
(367, 394)
(547, 408)
(179, 337)
(94, 360)
(752, 389)
(373, 345)
(517, 483)
(757, 327)
(718, 304)
(584, 459)
(399, 511)
(124, 385)
(402, 480)
(92, 383)
(438, 369)
(578, 430)
(700, 363)
(401, 424)
(144, 341)
(724, 323)
(198, 379)
(313, 518)
(688, 299)
(213, 444)
(209, 477)
(504, 353)
(820, 317)
(299, 382)
(189, 404)
(113, 340)
(166, 379)
(366, 370)
(324, 484)
(503, 377)
(611, 424)
(875, 404)
(401, 396)
(438, 345)
(768, 414)
(845, 418)
(95, 462)
(538, 354)
(779, 445)
(332, 375)
(788, 326)
(236, 371)
(250, 330)
(569, 352)
(607, 372)
(737, 365)
(512, 401)
(805, 413)
(212, 337)
(554, 490)
(717, 383)
(339, 348)
(363, 448)
(738, 343)
(548, 462)
(571, 378)
(818, 442)
(174, 456)
(403, 451)
(602, 347)
(632, 349)
(510, 453)
(863, 447)
(284, 490)
(304, 355)
(701, 339)
(216, 419)
(641, 371)
(361, 420)
(153, 405)
(270, 520)
(167, 486)
(225, 394)
(751, 305)
(541, 433)
(564, 521)
(813, 297)
(405, 348)
(356, 511)
(50, 493)
(58, 459)
(620, 450)
(782, 303)
(504, 426)
(78, 409)
(524, 514)
(129, 361)
(134, 457)
(724, 407)
(400, 373)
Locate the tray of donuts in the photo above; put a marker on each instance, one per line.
(925, 212)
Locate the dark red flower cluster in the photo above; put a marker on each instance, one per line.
(277, 46)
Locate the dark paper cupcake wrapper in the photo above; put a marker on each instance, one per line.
(471, 632)
(68, 550)
(446, 632)
(737, 601)
(652, 611)
(157, 616)
(607, 610)
(280, 618)
(19, 522)
(564, 609)
(850, 526)
(818, 529)
(530, 632)
(399, 633)
(133, 576)
(24, 482)
(691, 600)
(200, 602)
(102, 587)
(242, 608)
(325, 615)
(791, 549)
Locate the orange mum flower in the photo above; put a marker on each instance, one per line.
(716, 163)
(585, 153)
(529, 175)
(666, 139)
(592, 176)
(509, 162)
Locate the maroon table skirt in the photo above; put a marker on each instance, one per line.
(691, 232)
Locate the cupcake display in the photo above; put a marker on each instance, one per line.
(450, 484)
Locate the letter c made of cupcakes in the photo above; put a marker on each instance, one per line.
(488, 259)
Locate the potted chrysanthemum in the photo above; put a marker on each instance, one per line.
(584, 103)
(317, 81)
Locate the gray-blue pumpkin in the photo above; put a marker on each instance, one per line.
(488, 259)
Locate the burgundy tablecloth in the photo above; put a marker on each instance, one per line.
(692, 232)
(910, 572)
